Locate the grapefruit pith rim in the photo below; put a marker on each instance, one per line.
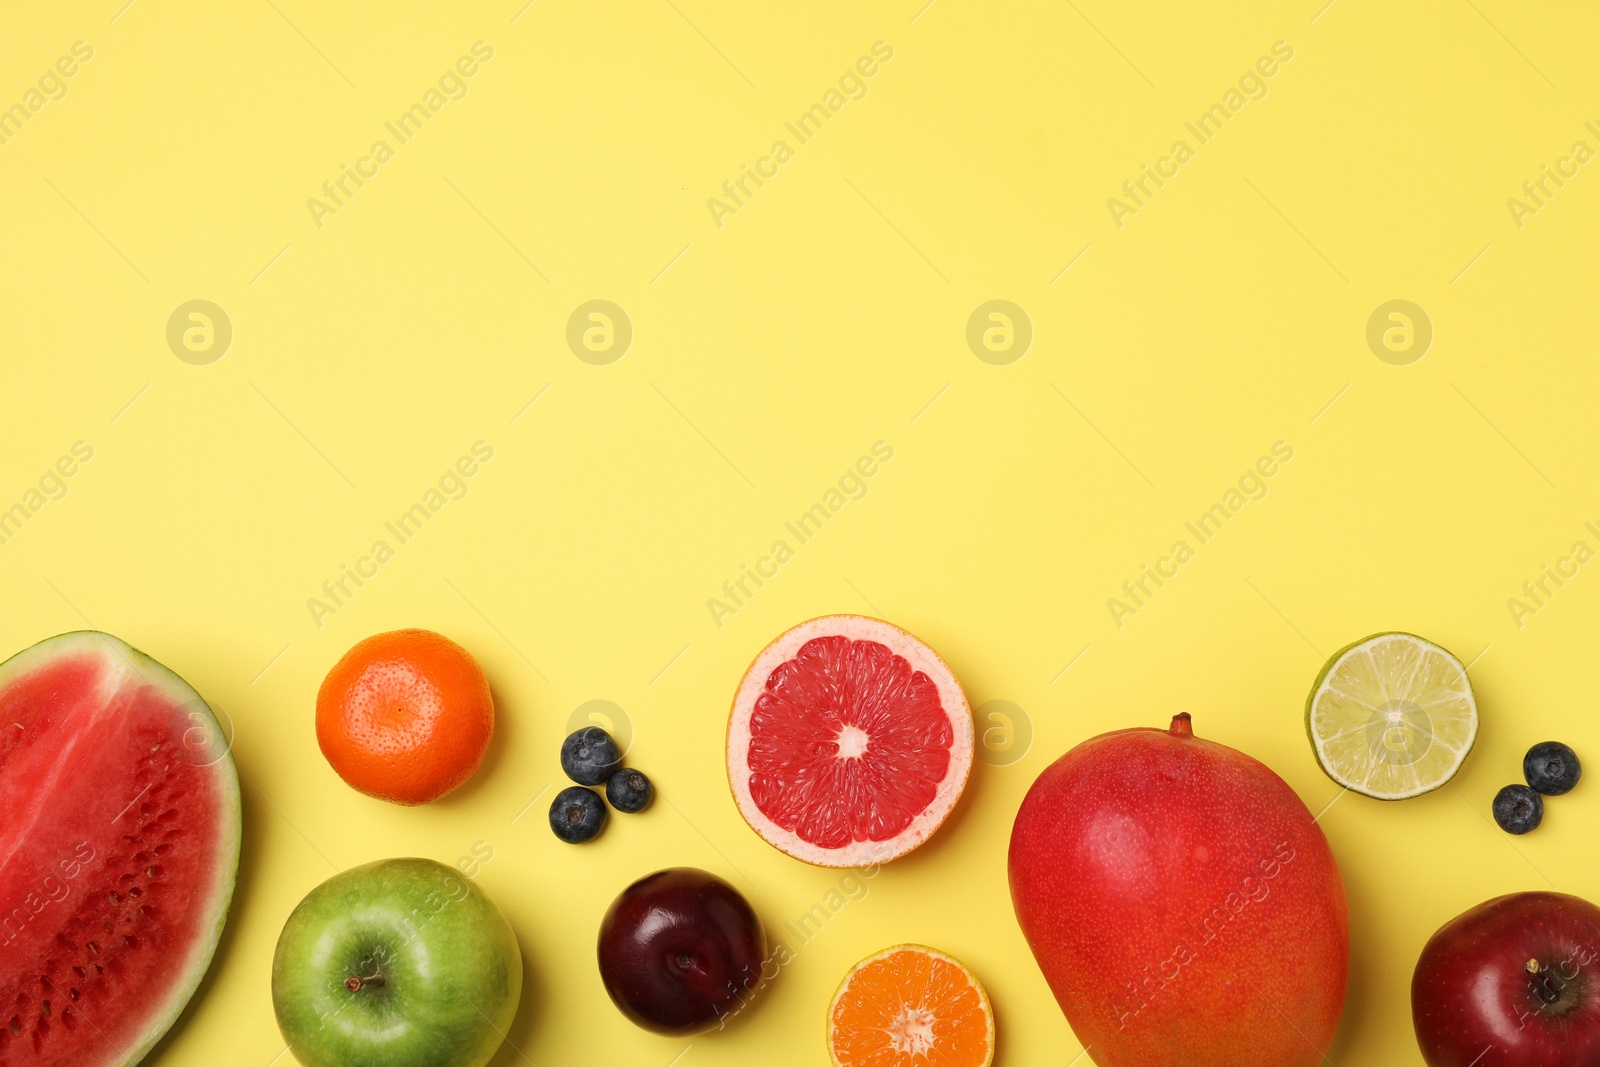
(937, 681)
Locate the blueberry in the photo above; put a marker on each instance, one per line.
(1551, 768)
(589, 756)
(1518, 809)
(576, 814)
(629, 790)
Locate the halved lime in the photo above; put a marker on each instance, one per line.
(1392, 716)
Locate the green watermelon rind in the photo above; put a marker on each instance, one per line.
(230, 815)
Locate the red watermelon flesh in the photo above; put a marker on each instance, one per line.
(119, 843)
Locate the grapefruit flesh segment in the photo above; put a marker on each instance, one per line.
(849, 742)
(910, 1006)
(847, 720)
(119, 843)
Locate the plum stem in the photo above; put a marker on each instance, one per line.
(1533, 966)
(1181, 725)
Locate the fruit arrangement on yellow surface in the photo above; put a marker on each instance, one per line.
(1177, 895)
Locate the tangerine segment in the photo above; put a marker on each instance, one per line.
(405, 716)
(910, 1005)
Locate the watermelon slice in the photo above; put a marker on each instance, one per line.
(119, 843)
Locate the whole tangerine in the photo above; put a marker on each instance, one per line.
(405, 716)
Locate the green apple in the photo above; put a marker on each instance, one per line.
(398, 963)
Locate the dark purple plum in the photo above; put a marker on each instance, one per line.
(680, 950)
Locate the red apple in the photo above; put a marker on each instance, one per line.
(1182, 904)
(680, 951)
(1514, 982)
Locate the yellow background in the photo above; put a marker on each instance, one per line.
(768, 354)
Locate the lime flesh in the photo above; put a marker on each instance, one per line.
(1392, 716)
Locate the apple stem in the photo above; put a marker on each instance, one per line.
(1181, 726)
(356, 983)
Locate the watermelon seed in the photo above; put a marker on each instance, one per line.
(16, 1026)
(80, 972)
(94, 950)
(136, 892)
(44, 1008)
(114, 899)
(73, 993)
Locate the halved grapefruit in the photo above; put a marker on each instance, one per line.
(849, 742)
(119, 843)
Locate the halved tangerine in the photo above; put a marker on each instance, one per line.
(910, 1005)
(849, 742)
